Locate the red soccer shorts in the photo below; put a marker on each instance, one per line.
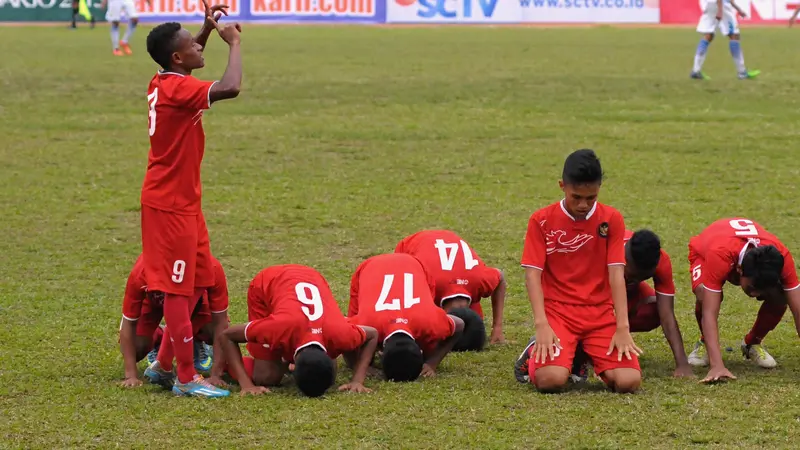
(258, 351)
(642, 309)
(176, 252)
(592, 325)
(151, 316)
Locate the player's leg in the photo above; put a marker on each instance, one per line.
(706, 26)
(133, 21)
(114, 15)
(115, 38)
(623, 376)
(642, 309)
(769, 316)
(730, 26)
(75, 7)
(552, 375)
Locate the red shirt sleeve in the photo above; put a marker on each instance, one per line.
(534, 252)
(134, 295)
(662, 280)
(616, 239)
(218, 294)
(489, 278)
(789, 273)
(715, 269)
(275, 332)
(433, 331)
(191, 93)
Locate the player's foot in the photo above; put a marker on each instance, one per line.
(159, 376)
(758, 354)
(203, 356)
(151, 357)
(199, 387)
(699, 356)
(748, 74)
(521, 364)
(126, 48)
(117, 52)
(699, 76)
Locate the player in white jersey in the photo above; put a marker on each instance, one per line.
(114, 15)
(720, 14)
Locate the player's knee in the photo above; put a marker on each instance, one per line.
(266, 373)
(710, 37)
(624, 381)
(551, 379)
(402, 358)
(314, 371)
(474, 336)
(734, 36)
(134, 22)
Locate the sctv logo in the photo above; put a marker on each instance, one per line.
(451, 9)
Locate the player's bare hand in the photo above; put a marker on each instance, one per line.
(255, 390)
(719, 15)
(547, 344)
(743, 14)
(217, 381)
(718, 374)
(428, 371)
(683, 371)
(355, 387)
(131, 382)
(214, 13)
(497, 337)
(623, 342)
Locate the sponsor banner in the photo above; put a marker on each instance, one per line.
(758, 11)
(591, 11)
(44, 10)
(453, 11)
(362, 11)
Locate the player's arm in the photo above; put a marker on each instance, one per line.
(669, 324)
(230, 340)
(712, 300)
(444, 347)
(793, 300)
(738, 9)
(359, 361)
(498, 301)
(219, 322)
(231, 82)
(534, 257)
(127, 346)
(615, 259)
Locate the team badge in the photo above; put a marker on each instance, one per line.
(602, 230)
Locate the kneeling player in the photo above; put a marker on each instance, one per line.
(742, 253)
(295, 319)
(142, 311)
(462, 279)
(574, 258)
(650, 308)
(393, 294)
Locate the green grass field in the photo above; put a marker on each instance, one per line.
(343, 141)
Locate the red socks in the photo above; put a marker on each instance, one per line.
(769, 316)
(178, 337)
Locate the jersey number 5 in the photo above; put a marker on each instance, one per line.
(309, 296)
(151, 101)
(448, 252)
(394, 305)
(744, 227)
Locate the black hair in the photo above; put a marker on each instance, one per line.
(644, 248)
(764, 266)
(402, 358)
(474, 335)
(161, 43)
(314, 371)
(582, 167)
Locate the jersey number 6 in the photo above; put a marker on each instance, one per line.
(309, 295)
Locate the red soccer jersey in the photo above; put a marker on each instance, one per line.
(662, 279)
(392, 293)
(217, 295)
(291, 307)
(722, 246)
(456, 269)
(574, 255)
(135, 292)
(177, 142)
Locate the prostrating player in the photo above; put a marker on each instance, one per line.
(461, 277)
(574, 259)
(114, 15)
(142, 311)
(743, 253)
(175, 241)
(393, 294)
(722, 14)
(293, 318)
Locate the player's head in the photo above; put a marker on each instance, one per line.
(580, 181)
(642, 254)
(458, 301)
(474, 335)
(174, 48)
(314, 371)
(761, 270)
(402, 358)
